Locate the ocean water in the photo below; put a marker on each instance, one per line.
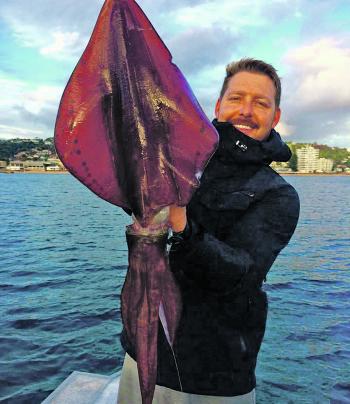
(63, 260)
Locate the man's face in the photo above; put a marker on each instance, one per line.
(249, 104)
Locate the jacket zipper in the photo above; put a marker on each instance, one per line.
(242, 339)
(243, 344)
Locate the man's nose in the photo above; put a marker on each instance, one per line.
(246, 108)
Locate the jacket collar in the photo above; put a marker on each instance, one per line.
(236, 147)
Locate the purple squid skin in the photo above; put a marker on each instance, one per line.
(131, 130)
(151, 276)
(129, 126)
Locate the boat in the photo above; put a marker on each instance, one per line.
(86, 388)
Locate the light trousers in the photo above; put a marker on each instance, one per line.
(129, 391)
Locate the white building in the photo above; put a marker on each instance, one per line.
(3, 164)
(325, 165)
(308, 158)
(309, 161)
(15, 165)
(53, 168)
(27, 165)
(55, 162)
(33, 165)
(281, 167)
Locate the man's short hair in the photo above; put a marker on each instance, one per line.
(253, 66)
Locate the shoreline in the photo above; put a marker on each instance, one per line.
(280, 173)
(34, 172)
(317, 174)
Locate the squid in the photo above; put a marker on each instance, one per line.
(130, 129)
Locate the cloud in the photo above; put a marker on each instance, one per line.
(284, 129)
(48, 15)
(64, 45)
(161, 6)
(10, 132)
(221, 13)
(44, 119)
(56, 29)
(203, 36)
(61, 29)
(321, 74)
(27, 111)
(317, 91)
(283, 9)
(34, 101)
(195, 49)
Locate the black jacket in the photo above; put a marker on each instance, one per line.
(240, 218)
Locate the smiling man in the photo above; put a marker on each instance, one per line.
(240, 218)
(250, 101)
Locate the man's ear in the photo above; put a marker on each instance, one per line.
(276, 117)
(217, 108)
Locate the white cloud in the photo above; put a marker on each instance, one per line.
(66, 27)
(321, 73)
(203, 35)
(34, 101)
(17, 93)
(52, 43)
(206, 85)
(26, 110)
(317, 91)
(337, 140)
(55, 29)
(11, 91)
(222, 14)
(284, 129)
(64, 45)
(190, 54)
(10, 132)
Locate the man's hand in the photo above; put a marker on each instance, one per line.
(174, 216)
(177, 218)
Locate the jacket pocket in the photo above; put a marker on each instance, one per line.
(255, 321)
(220, 200)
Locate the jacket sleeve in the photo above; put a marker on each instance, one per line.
(249, 249)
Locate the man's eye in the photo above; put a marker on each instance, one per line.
(262, 104)
(234, 98)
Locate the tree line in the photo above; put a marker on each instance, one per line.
(339, 155)
(9, 148)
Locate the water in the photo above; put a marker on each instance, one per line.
(63, 261)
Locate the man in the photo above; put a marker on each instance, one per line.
(240, 218)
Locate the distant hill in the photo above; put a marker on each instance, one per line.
(22, 149)
(338, 154)
(41, 149)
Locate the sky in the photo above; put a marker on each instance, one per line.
(308, 42)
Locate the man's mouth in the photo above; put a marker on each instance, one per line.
(238, 126)
(245, 127)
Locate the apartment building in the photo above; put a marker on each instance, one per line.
(309, 160)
